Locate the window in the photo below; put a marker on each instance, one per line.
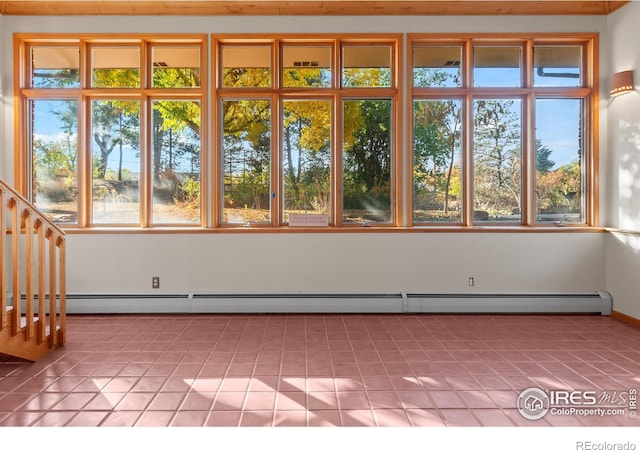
(500, 131)
(117, 144)
(246, 149)
(115, 66)
(306, 66)
(497, 66)
(53, 66)
(54, 157)
(497, 160)
(115, 180)
(367, 161)
(366, 66)
(510, 145)
(558, 65)
(437, 160)
(437, 66)
(246, 66)
(306, 156)
(560, 160)
(315, 139)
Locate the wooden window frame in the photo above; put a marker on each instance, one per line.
(587, 91)
(335, 93)
(85, 94)
(211, 93)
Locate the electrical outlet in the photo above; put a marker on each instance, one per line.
(472, 281)
(155, 282)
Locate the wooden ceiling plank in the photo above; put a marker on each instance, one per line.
(310, 7)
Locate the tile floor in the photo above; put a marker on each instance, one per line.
(318, 370)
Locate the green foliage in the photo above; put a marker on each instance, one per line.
(307, 154)
(559, 191)
(543, 154)
(436, 148)
(115, 130)
(432, 77)
(247, 154)
(55, 159)
(306, 77)
(247, 77)
(188, 193)
(367, 157)
(63, 78)
(178, 114)
(176, 77)
(115, 123)
(115, 78)
(369, 77)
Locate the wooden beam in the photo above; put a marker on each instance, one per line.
(309, 7)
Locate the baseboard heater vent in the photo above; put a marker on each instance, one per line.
(402, 302)
(590, 302)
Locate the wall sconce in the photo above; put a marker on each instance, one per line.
(621, 83)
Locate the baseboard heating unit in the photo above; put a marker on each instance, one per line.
(402, 302)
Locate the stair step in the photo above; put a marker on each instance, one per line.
(36, 320)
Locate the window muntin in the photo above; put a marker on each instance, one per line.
(306, 66)
(367, 161)
(54, 149)
(115, 66)
(497, 66)
(437, 160)
(246, 66)
(54, 66)
(436, 66)
(246, 161)
(557, 65)
(560, 183)
(497, 160)
(366, 66)
(175, 164)
(115, 156)
(306, 157)
(176, 66)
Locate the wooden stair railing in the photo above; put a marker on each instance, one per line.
(32, 272)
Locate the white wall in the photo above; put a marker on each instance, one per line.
(624, 121)
(335, 262)
(338, 263)
(622, 269)
(623, 171)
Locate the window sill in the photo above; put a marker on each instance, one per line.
(331, 230)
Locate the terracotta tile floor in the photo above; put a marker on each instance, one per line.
(317, 370)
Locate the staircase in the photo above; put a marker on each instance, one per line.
(32, 279)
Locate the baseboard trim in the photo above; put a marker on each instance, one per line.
(625, 318)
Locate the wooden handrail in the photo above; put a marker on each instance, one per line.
(33, 259)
